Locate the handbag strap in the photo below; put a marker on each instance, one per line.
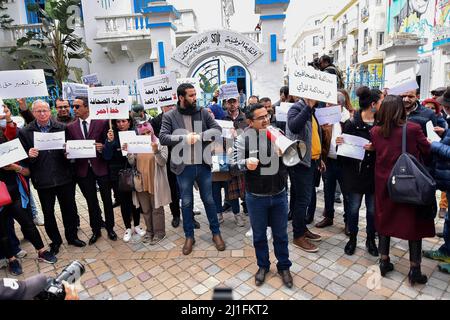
(404, 138)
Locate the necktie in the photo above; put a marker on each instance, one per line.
(85, 129)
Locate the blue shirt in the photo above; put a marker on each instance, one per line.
(44, 129)
(219, 113)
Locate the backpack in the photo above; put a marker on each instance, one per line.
(409, 181)
(339, 76)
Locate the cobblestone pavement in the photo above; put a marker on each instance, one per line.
(116, 270)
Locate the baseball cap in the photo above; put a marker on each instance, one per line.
(232, 98)
(13, 289)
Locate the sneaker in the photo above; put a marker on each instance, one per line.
(269, 233)
(157, 239)
(47, 257)
(312, 236)
(304, 244)
(127, 235)
(21, 254)
(239, 219)
(15, 268)
(249, 233)
(196, 211)
(3, 263)
(147, 238)
(436, 255)
(139, 231)
(220, 217)
(38, 221)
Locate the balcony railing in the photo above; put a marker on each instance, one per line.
(20, 31)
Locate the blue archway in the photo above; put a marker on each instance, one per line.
(146, 71)
(238, 75)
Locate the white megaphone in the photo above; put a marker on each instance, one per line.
(293, 151)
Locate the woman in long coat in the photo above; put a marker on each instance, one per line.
(404, 221)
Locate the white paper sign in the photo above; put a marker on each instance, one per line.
(403, 82)
(328, 115)
(282, 110)
(90, 79)
(158, 91)
(140, 144)
(227, 127)
(49, 141)
(22, 84)
(353, 147)
(11, 152)
(194, 81)
(125, 137)
(313, 84)
(72, 90)
(229, 90)
(19, 121)
(433, 136)
(109, 102)
(81, 149)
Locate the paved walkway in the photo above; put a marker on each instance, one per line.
(115, 270)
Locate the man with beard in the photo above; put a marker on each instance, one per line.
(188, 130)
(416, 112)
(267, 103)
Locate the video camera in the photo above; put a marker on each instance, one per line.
(315, 64)
(55, 289)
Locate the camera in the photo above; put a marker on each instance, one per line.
(55, 289)
(315, 64)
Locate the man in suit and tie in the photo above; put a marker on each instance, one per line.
(90, 171)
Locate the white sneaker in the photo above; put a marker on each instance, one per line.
(269, 233)
(196, 211)
(239, 219)
(127, 235)
(220, 217)
(249, 233)
(38, 221)
(21, 254)
(140, 231)
(3, 263)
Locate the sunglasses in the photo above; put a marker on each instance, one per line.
(77, 106)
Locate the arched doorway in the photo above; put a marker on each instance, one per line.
(146, 70)
(237, 75)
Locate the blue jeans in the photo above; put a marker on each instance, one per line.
(303, 178)
(201, 174)
(217, 195)
(446, 246)
(312, 204)
(354, 204)
(332, 175)
(273, 210)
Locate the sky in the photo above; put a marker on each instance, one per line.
(209, 16)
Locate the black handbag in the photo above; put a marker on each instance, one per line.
(126, 180)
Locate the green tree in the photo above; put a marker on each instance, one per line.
(206, 84)
(5, 19)
(56, 44)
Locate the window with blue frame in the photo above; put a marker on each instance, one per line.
(138, 6)
(33, 17)
(146, 71)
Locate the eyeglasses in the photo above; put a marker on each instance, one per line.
(262, 118)
(41, 111)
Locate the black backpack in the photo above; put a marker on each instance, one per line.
(409, 181)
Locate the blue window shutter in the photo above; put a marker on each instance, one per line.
(162, 57)
(146, 71)
(273, 47)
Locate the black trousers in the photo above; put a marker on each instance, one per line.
(126, 206)
(89, 190)
(75, 208)
(25, 220)
(175, 205)
(415, 248)
(66, 199)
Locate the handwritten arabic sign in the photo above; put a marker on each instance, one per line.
(72, 90)
(403, 82)
(11, 152)
(353, 147)
(312, 84)
(49, 141)
(217, 41)
(90, 79)
(159, 91)
(80, 149)
(328, 115)
(229, 90)
(140, 144)
(22, 84)
(109, 102)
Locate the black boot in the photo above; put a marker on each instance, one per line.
(371, 246)
(350, 247)
(416, 276)
(386, 266)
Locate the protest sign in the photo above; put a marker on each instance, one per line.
(11, 152)
(158, 91)
(125, 137)
(328, 115)
(403, 82)
(72, 90)
(19, 121)
(90, 79)
(108, 102)
(140, 144)
(49, 141)
(22, 84)
(313, 84)
(353, 147)
(431, 134)
(81, 149)
(282, 110)
(229, 90)
(227, 127)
